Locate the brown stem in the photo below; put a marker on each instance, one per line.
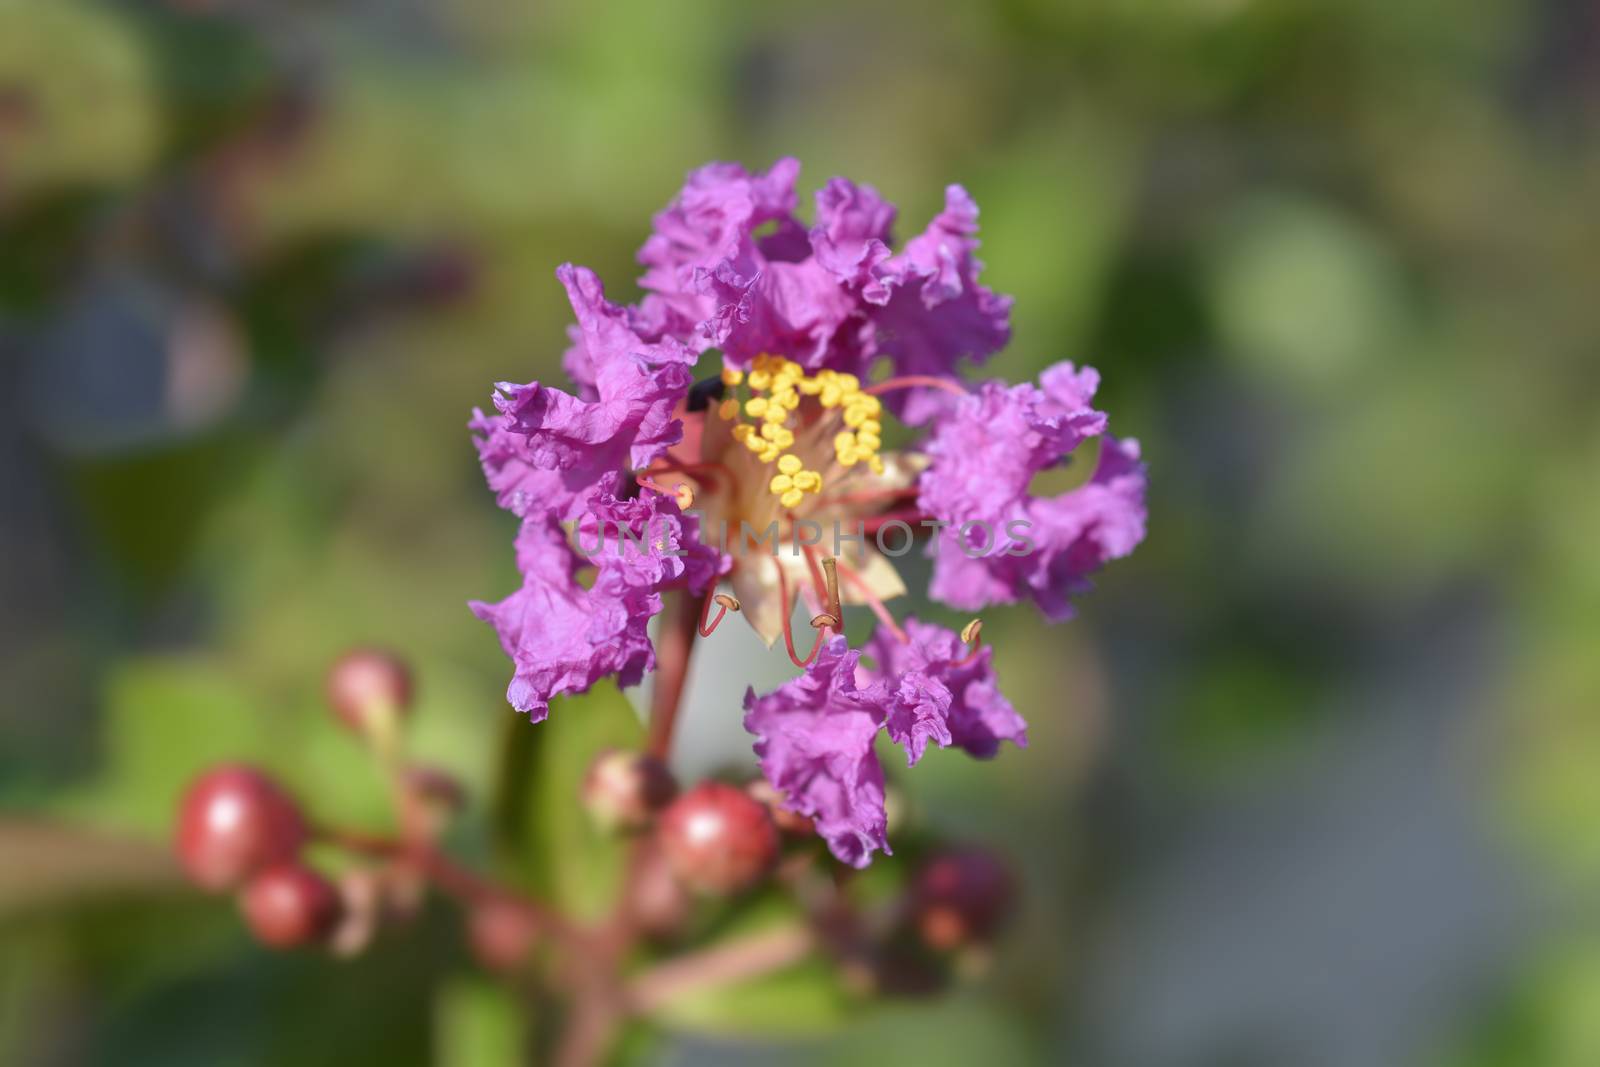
(673, 646)
(748, 957)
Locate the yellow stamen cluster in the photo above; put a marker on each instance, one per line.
(859, 443)
(776, 386)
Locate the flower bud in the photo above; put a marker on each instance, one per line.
(289, 905)
(501, 933)
(232, 821)
(624, 790)
(961, 896)
(790, 822)
(718, 839)
(369, 689)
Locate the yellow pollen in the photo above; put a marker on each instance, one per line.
(854, 416)
(831, 395)
(872, 426)
(843, 441)
(781, 483)
(868, 441)
(760, 379)
(756, 406)
(728, 409)
(810, 481)
(791, 498)
(790, 464)
(742, 432)
(731, 377)
(849, 383)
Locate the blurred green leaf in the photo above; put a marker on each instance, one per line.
(555, 849)
(477, 1023)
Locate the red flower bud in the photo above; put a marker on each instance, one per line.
(718, 839)
(624, 790)
(962, 896)
(232, 821)
(366, 683)
(501, 933)
(289, 905)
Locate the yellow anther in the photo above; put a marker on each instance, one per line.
(876, 463)
(810, 481)
(756, 406)
(868, 441)
(732, 377)
(790, 464)
(760, 379)
(843, 441)
(849, 383)
(775, 413)
(754, 441)
(768, 454)
(809, 386)
(770, 430)
(792, 498)
(742, 431)
(848, 457)
(868, 401)
(787, 398)
(872, 426)
(831, 395)
(785, 438)
(685, 496)
(854, 416)
(728, 408)
(781, 483)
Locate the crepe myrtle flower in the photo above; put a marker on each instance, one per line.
(771, 477)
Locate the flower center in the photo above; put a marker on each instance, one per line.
(786, 417)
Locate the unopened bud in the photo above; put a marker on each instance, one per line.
(961, 897)
(718, 839)
(623, 790)
(369, 689)
(232, 821)
(290, 905)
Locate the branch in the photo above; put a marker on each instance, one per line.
(732, 961)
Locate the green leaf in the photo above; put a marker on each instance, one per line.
(477, 1024)
(552, 847)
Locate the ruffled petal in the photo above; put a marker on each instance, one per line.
(571, 442)
(942, 694)
(937, 313)
(1002, 543)
(814, 738)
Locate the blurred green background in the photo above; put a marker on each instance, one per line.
(1315, 777)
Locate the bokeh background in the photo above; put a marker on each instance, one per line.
(1315, 777)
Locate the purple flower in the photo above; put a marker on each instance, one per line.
(1003, 543)
(943, 693)
(937, 313)
(549, 447)
(814, 738)
(831, 296)
(561, 637)
(646, 543)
